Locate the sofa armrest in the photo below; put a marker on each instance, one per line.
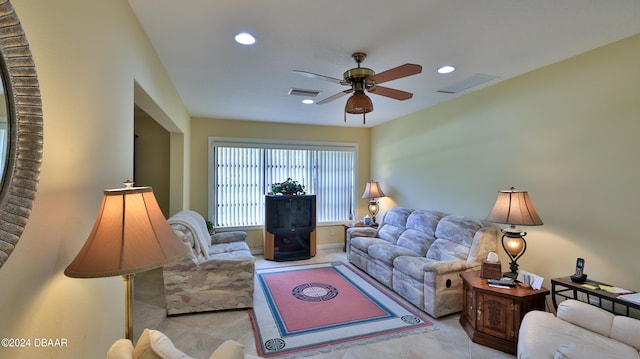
(188, 265)
(228, 237)
(361, 232)
(443, 267)
(231, 262)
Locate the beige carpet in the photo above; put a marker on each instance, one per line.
(199, 334)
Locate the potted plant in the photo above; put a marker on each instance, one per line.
(210, 226)
(289, 187)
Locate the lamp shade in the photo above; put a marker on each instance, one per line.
(515, 208)
(130, 235)
(372, 190)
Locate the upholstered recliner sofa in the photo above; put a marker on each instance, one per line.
(217, 273)
(578, 331)
(155, 345)
(420, 255)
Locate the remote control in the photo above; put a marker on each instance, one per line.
(503, 281)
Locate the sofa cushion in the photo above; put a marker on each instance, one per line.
(587, 350)
(454, 238)
(363, 243)
(416, 241)
(155, 345)
(411, 266)
(228, 248)
(386, 253)
(443, 250)
(121, 349)
(586, 316)
(626, 330)
(425, 221)
(420, 231)
(484, 242)
(458, 229)
(393, 224)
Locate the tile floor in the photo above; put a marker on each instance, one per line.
(199, 334)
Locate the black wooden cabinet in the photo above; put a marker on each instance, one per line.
(290, 227)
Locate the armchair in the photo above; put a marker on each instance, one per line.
(154, 344)
(216, 274)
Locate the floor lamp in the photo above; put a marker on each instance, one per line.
(514, 208)
(130, 235)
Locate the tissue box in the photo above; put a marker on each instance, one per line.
(491, 270)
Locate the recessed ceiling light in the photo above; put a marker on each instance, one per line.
(307, 101)
(245, 38)
(446, 69)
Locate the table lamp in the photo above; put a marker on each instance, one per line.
(514, 208)
(372, 191)
(130, 235)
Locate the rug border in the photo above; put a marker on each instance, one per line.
(346, 342)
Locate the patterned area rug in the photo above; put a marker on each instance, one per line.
(307, 309)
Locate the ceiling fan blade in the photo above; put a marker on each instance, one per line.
(396, 73)
(392, 93)
(321, 77)
(336, 96)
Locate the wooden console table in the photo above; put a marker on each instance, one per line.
(491, 316)
(565, 288)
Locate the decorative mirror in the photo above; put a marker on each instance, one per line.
(21, 133)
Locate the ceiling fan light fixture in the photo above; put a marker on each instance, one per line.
(358, 103)
(308, 101)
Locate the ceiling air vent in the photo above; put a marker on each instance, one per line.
(305, 93)
(469, 82)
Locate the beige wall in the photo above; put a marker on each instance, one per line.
(90, 55)
(567, 133)
(202, 129)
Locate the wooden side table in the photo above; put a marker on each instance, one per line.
(353, 225)
(492, 316)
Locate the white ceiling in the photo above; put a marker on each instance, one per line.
(218, 78)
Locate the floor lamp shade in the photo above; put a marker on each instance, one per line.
(130, 235)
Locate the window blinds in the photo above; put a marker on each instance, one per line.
(244, 174)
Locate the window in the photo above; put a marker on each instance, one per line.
(241, 172)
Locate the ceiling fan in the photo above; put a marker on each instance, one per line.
(363, 79)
